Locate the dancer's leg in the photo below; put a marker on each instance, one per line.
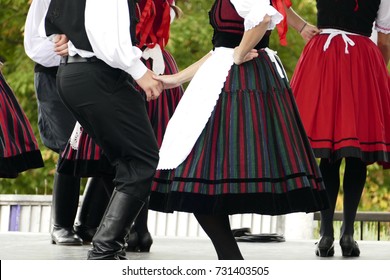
(217, 227)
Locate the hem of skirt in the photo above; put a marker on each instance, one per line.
(381, 157)
(10, 167)
(302, 200)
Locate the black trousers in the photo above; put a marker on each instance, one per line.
(109, 108)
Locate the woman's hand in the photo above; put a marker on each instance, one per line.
(168, 81)
(309, 31)
(240, 58)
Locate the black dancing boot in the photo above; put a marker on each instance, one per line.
(109, 240)
(96, 198)
(139, 238)
(64, 208)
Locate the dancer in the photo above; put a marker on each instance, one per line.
(82, 156)
(235, 143)
(95, 83)
(55, 123)
(19, 149)
(341, 85)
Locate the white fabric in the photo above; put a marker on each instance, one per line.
(157, 56)
(382, 22)
(333, 33)
(195, 108)
(253, 12)
(273, 58)
(107, 24)
(39, 47)
(75, 136)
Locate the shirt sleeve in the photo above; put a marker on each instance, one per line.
(39, 48)
(107, 24)
(253, 12)
(382, 22)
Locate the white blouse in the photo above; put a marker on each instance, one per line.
(382, 22)
(253, 12)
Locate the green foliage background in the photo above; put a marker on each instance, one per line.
(190, 40)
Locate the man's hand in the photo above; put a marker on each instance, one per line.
(61, 44)
(151, 87)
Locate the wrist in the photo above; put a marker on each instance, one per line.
(303, 27)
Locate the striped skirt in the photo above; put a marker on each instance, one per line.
(344, 99)
(89, 160)
(253, 155)
(18, 146)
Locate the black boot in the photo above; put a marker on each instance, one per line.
(109, 240)
(66, 193)
(140, 239)
(96, 198)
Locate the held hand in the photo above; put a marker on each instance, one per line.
(309, 31)
(238, 58)
(150, 86)
(168, 81)
(61, 44)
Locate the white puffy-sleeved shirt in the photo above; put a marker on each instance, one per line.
(107, 24)
(39, 48)
(253, 12)
(382, 22)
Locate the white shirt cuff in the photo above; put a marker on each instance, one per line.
(137, 70)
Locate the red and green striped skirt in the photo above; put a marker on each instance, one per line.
(253, 155)
(18, 146)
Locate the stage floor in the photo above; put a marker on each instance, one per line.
(37, 246)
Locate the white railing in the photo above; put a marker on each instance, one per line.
(32, 213)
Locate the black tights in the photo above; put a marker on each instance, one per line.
(354, 180)
(217, 227)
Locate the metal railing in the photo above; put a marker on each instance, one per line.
(363, 217)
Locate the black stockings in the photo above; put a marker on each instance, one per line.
(217, 227)
(353, 184)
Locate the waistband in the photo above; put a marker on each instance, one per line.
(78, 59)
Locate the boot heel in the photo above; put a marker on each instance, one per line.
(145, 242)
(325, 247)
(349, 246)
(346, 251)
(325, 252)
(145, 249)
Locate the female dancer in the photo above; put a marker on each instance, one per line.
(235, 143)
(341, 86)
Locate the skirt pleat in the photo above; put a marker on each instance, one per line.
(18, 146)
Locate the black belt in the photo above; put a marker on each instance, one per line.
(78, 59)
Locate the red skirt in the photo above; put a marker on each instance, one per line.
(344, 99)
(18, 146)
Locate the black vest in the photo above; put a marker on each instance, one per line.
(229, 27)
(354, 16)
(67, 17)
